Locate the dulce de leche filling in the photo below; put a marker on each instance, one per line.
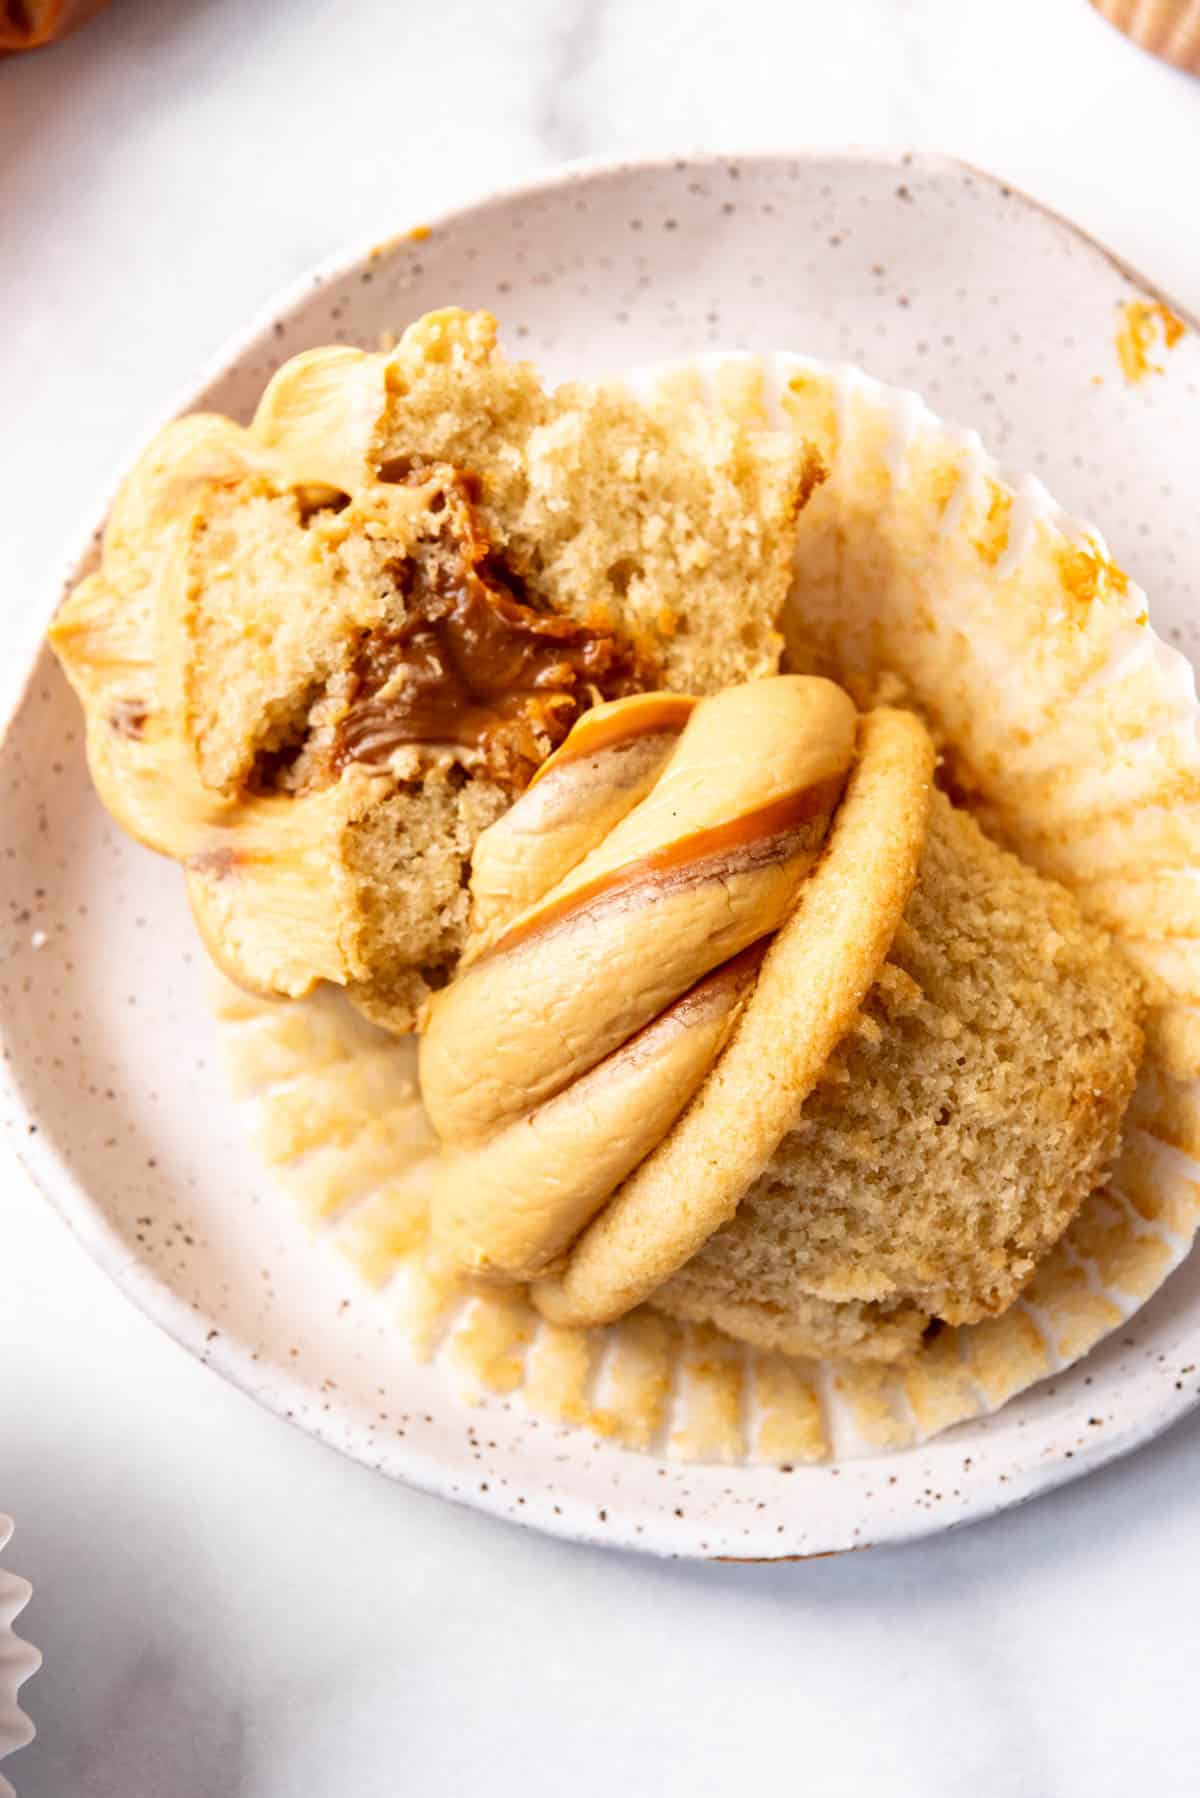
(477, 663)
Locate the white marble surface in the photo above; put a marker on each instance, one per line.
(224, 1606)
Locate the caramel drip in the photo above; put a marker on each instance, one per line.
(687, 856)
(661, 714)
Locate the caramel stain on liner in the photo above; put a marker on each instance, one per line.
(694, 856)
(1143, 324)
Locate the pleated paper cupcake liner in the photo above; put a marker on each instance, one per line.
(18, 1660)
(1076, 733)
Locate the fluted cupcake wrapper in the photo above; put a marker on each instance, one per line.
(18, 1660)
(1010, 625)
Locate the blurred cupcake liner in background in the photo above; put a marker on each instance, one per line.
(1167, 28)
(28, 24)
(17, 1661)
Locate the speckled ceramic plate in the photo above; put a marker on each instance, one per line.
(923, 272)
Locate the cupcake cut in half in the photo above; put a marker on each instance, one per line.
(322, 652)
(892, 1117)
(465, 696)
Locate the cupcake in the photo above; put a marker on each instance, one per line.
(887, 1117)
(1167, 28)
(777, 825)
(323, 652)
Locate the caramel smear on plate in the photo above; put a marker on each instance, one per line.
(1144, 325)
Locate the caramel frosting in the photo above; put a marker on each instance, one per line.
(669, 839)
(816, 973)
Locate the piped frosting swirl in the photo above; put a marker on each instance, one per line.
(622, 908)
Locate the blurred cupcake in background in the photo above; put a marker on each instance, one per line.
(1169, 29)
(17, 1661)
(28, 24)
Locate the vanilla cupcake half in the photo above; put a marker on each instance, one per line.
(323, 651)
(791, 1048)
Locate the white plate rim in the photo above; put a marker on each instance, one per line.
(154, 1296)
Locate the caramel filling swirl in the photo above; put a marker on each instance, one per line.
(762, 835)
(608, 763)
